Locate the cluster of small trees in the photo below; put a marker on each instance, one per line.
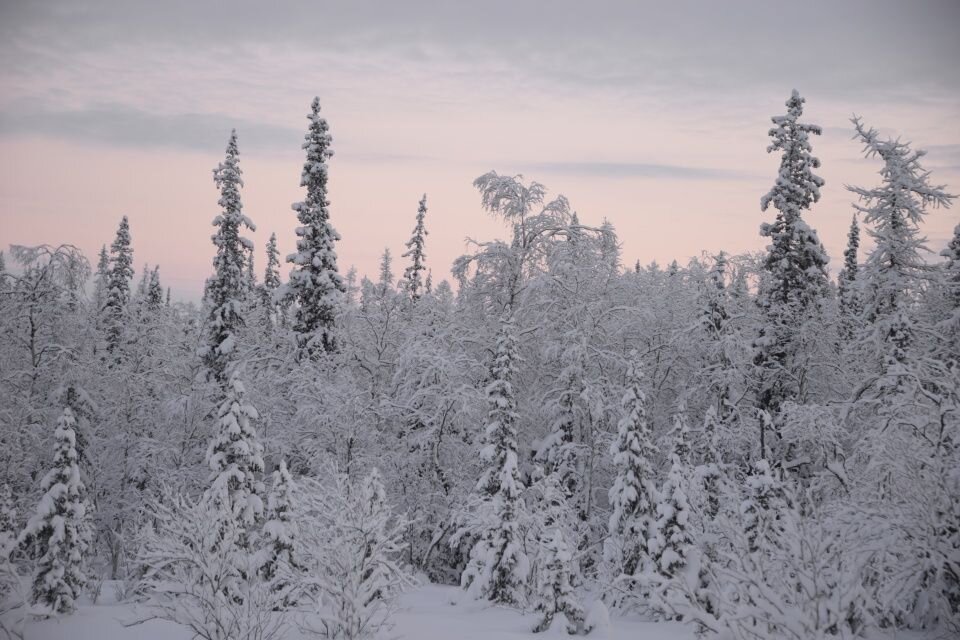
(738, 442)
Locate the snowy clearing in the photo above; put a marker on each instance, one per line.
(430, 612)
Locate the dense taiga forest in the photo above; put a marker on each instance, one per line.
(741, 443)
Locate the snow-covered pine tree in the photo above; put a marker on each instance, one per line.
(795, 275)
(413, 275)
(8, 543)
(235, 459)
(894, 270)
(558, 451)
(116, 306)
(154, 292)
(609, 247)
(144, 282)
(249, 274)
(271, 273)
(796, 260)
(279, 531)
(708, 462)
(849, 297)
(498, 565)
(101, 282)
(714, 308)
(715, 320)
(761, 507)
(385, 282)
(226, 288)
(315, 281)
(951, 295)
(57, 532)
(672, 537)
(555, 593)
(952, 268)
(8, 522)
(633, 496)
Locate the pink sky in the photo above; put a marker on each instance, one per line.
(126, 114)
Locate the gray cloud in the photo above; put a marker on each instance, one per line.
(622, 45)
(636, 170)
(124, 126)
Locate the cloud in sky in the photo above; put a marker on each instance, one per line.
(612, 103)
(638, 170)
(127, 126)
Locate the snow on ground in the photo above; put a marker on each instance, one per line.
(431, 612)
(428, 613)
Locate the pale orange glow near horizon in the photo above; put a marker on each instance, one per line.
(91, 132)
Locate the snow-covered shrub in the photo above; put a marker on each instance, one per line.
(351, 544)
(786, 570)
(198, 574)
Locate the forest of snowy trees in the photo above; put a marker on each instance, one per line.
(740, 443)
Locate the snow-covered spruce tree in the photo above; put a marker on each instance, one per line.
(226, 288)
(8, 521)
(116, 307)
(671, 535)
(762, 506)
(413, 275)
(952, 268)
(893, 273)
(951, 295)
(154, 292)
(633, 496)
(271, 273)
(279, 532)
(235, 458)
(101, 284)
(708, 462)
(498, 565)
(385, 281)
(141, 292)
(847, 293)
(555, 593)
(558, 451)
(715, 321)
(315, 281)
(795, 276)
(271, 283)
(57, 533)
(8, 542)
(250, 275)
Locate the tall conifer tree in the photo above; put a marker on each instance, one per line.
(315, 280)
(795, 276)
(226, 288)
(413, 274)
(117, 305)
